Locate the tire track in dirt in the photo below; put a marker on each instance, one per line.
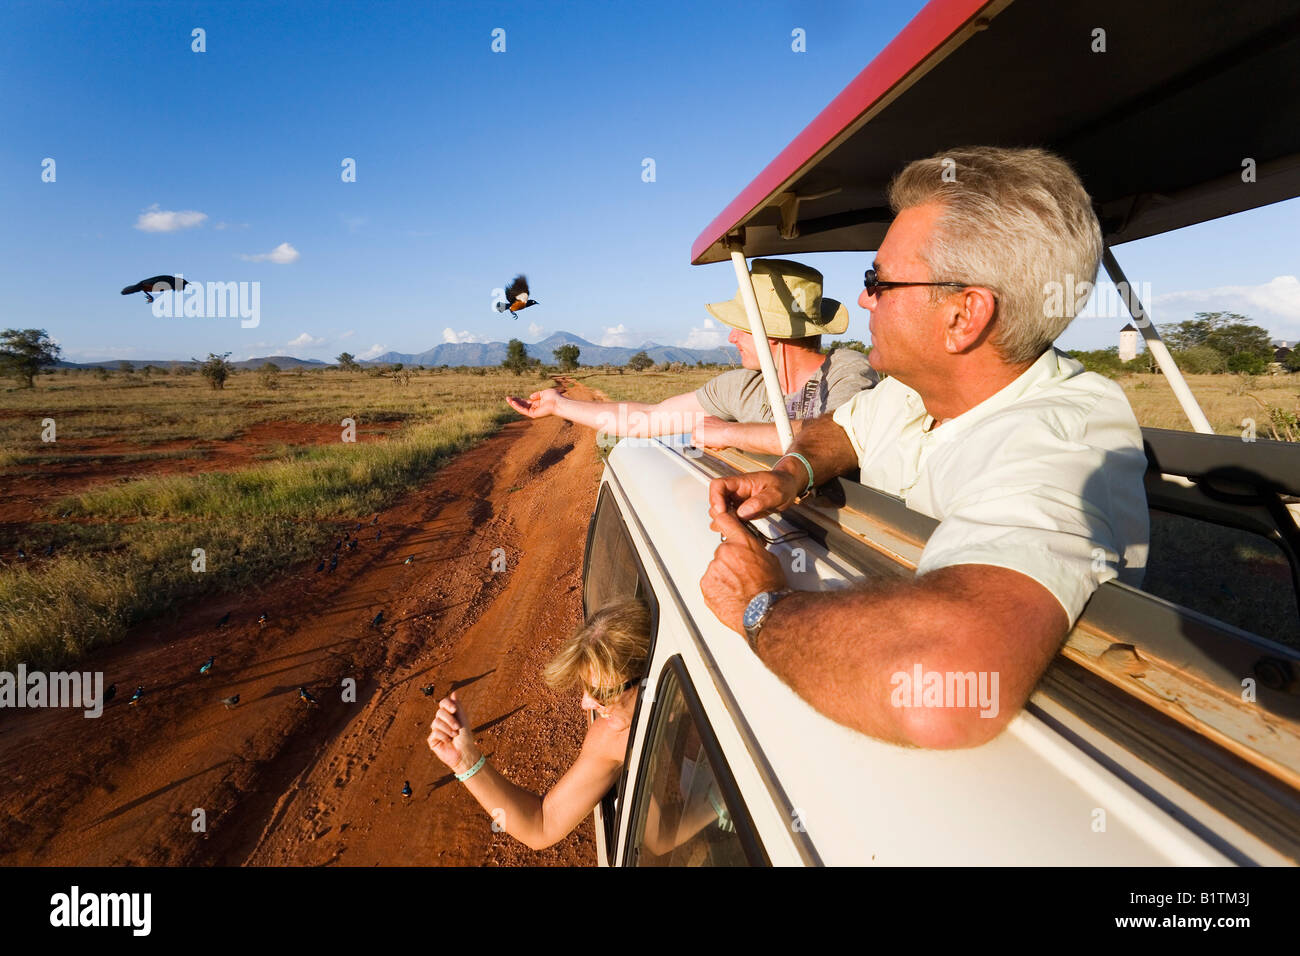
(282, 782)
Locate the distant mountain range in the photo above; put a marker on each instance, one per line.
(473, 353)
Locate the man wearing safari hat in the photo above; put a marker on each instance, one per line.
(732, 409)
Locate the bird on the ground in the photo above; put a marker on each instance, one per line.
(379, 533)
(50, 550)
(305, 696)
(427, 690)
(225, 619)
(334, 562)
(375, 520)
(261, 620)
(358, 527)
(110, 693)
(207, 665)
(22, 555)
(230, 701)
(139, 692)
(338, 544)
(406, 789)
(516, 296)
(352, 545)
(377, 619)
(156, 284)
(320, 567)
(410, 560)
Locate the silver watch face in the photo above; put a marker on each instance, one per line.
(756, 609)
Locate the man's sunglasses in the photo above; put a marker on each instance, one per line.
(875, 285)
(607, 695)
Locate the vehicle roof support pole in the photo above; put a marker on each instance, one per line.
(775, 400)
(1156, 345)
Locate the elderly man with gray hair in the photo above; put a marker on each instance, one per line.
(1032, 465)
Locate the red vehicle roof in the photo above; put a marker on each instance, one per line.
(1158, 125)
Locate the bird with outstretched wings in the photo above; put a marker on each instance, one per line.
(516, 296)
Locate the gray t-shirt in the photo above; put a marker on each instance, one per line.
(739, 395)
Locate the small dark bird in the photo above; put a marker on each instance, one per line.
(379, 534)
(516, 296)
(338, 544)
(225, 619)
(375, 520)
(406, 789)
(334, 563)
(22, 555)
(305, 696)
(377, 619)
(320, 567)
(352, 544)
(409, 560)
(427, 690)
(261, 620)
(207, 667)
(49, 551)
(230, 701)
(358, 527)
(110, 693)
(139, 692)
(155, 284)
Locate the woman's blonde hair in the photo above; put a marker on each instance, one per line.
(612, 648)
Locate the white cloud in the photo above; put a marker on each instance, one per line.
(348, 334)
(304, 341)
(282, 254)
(618, 335)
(534, 330)
(154, 219)
(372, 352)
(451, 335)
(709, 335)
(220, 226)
(1275, 305)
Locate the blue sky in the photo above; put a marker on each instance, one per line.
(471, 165)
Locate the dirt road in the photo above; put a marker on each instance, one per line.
(179, 779)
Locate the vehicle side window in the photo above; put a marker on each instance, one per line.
(612, 572)
(688, 812)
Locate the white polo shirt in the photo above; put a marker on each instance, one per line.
(1044, 477)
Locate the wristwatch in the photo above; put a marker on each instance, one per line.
(758, 611)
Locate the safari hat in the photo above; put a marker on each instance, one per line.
(790, 300)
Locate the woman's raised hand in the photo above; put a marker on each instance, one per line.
(451, 739)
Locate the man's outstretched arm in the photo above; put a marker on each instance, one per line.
(675, 415)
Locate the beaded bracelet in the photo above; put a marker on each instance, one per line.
(462, 777)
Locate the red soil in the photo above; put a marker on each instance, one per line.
(283, 782)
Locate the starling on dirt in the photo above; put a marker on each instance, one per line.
(338, 544)
(352, 545)
(305, 696)
(139, 692)
(22, 555)
(406, 789)
(230, 701)
(261, 620)
(225, 619)
(375, 520)
(379, 534)
(110, 693)
(377, 619)
(334, 562)
(516, 296)
(320, 567)
(156, 284)
(410, 560)
(207, 666)
(50, 550)
(427, 690)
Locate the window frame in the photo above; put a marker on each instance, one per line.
(675, 668)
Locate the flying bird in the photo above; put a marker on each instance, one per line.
(139, 692)
(516, 296)
(305, 696)
(225, 619)
(207, 666)
(156, 284)
(230, 701)
(406, 789)
(427, 690)
(377, 619)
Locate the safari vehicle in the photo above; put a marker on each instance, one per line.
(1141, 744)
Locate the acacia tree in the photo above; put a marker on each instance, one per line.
(567, 356)
(347, 363)
(517, 359)
(216, 369)
(640, 362)
(24, 352)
